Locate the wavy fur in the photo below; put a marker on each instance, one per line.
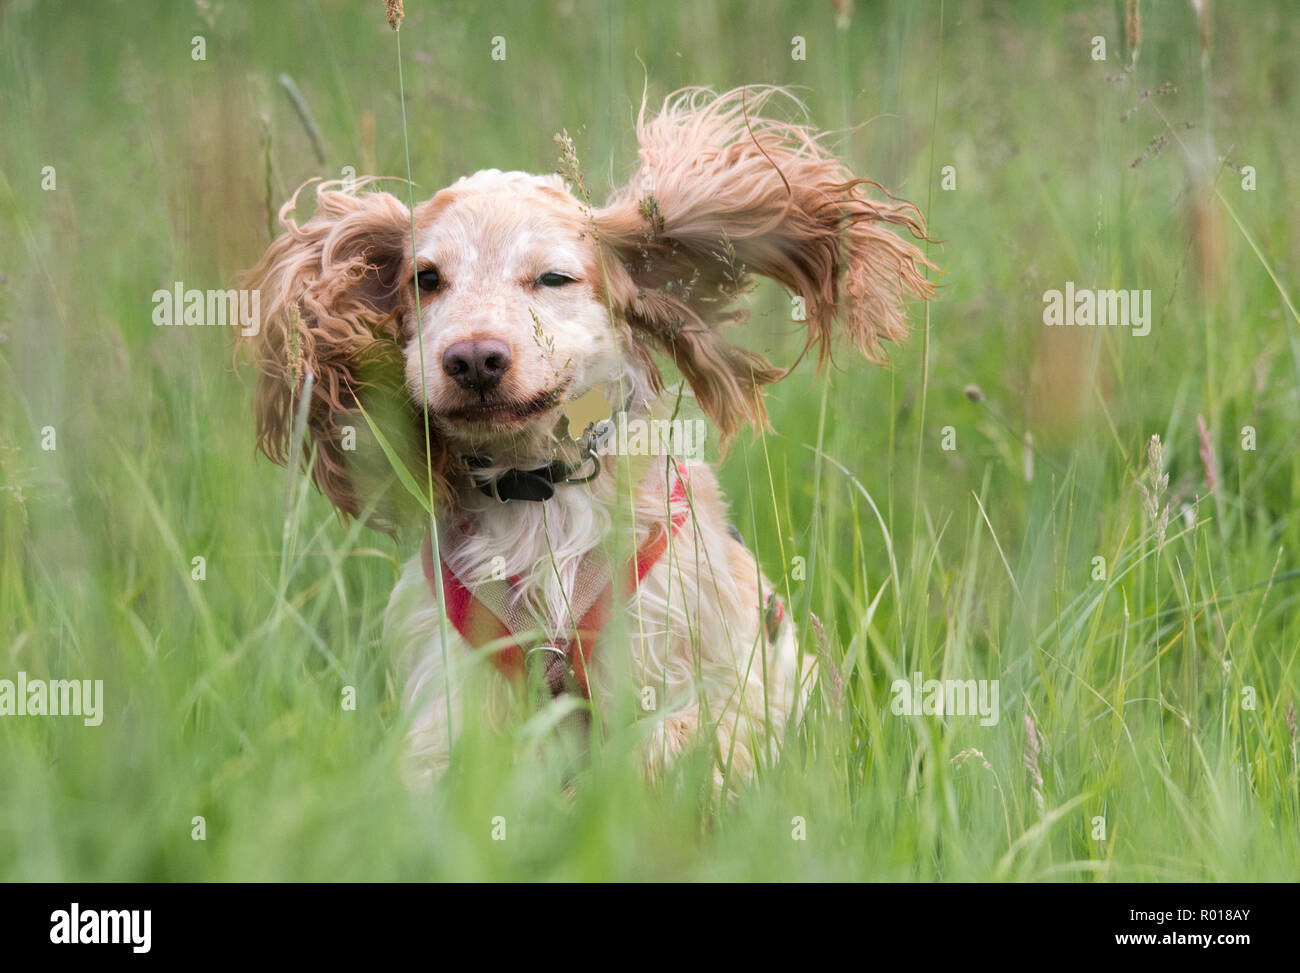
(723, 193)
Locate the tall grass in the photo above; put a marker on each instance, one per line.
(1123, 699)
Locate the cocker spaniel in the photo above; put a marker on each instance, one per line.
(527, 327)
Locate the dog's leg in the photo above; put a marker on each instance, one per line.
(413, 633)
(742, 716)
(723, 656)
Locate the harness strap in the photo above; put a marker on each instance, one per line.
(480, 625)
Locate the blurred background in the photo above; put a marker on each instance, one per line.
(1001, 455)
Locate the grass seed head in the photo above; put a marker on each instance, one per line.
(394, 12)
(1153, 490)
(1032, 751)
(1207, 452)
(1133, 29)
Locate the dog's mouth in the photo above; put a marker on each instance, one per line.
(506, 414)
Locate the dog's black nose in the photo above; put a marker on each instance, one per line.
(477, 365)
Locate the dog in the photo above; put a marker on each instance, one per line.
(505, 299)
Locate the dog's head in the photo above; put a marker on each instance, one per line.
(513, 314)
(505, 296)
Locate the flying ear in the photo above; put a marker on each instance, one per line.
(332, 306)
(722, 194)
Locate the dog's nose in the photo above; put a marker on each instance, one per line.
(477, 365)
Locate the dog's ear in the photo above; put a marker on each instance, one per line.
(332, 302)
(721, 194)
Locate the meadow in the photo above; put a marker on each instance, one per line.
(987, 507)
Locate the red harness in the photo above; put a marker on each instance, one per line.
(480, 626)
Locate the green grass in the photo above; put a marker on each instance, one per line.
(223, 695)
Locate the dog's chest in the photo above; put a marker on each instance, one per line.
(543, 550)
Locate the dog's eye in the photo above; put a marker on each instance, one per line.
(428, 280)
(555, 279)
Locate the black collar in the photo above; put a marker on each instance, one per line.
(538, 484)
